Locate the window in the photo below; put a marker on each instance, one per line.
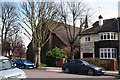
(108, 53)
(5, 64)
(73, 62)
(107, 36)
(87, 39)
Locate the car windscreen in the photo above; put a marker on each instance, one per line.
(86, 63)
(5, 64)
(25, 60)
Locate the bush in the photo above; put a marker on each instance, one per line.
(54, 55)
(43, 65)
(117, 66)
(98, 62)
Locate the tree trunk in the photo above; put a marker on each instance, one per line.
(13, 54)
(38, 58)
(72, 52)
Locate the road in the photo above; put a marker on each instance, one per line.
(34, 73)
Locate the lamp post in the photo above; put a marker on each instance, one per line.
(118, 44)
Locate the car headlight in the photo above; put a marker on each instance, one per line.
(25, 64)
(97, 68)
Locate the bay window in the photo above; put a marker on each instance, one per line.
(108, 53)
(107, 36)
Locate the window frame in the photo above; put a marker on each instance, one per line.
(112, 52)
(87, 39)
(107, 36)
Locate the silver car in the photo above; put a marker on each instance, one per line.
(8, 72)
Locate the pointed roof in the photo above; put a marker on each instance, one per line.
(86, 22)
(62, 35)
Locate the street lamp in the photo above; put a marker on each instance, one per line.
(118, 44)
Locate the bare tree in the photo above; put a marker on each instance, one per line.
(15, 39)
(38, 18)
(73, 11)
(9, 18)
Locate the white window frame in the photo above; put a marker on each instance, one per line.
(86, 39)
(105, 50)
(112, 34)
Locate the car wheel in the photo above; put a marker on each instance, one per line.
(91, 72)
(23, 66)
(67, 70)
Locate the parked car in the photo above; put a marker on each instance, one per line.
(8, 71)
(83, 67)
(23, 63)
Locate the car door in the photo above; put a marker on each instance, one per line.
(80, 67)
(72, 66)
(19, 63)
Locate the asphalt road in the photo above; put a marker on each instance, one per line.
(34, 73)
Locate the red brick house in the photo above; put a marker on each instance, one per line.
(59, 39)
(7, 48)
(100, 41)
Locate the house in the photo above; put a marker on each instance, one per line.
(58, 39)
(7, 50)
(100, 41)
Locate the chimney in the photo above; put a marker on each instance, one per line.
(100, 20)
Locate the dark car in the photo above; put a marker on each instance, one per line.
(23, 63)
(82, 67)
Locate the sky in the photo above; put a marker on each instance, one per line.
(107, 8)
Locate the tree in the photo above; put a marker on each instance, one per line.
(9, 18)
(21, 50)
(76, 11)
(16, 44)
(37, 17)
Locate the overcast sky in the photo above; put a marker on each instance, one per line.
(108, 9)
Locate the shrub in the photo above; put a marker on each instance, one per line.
(117, 66)
(43, 65)
(54, 55)
(98, 62)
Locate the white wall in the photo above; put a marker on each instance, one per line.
(93, 38)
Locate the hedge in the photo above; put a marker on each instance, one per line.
(97, 62)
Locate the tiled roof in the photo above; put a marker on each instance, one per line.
(109, 25)
(62, 35)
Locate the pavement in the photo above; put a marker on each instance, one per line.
(59, 69)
